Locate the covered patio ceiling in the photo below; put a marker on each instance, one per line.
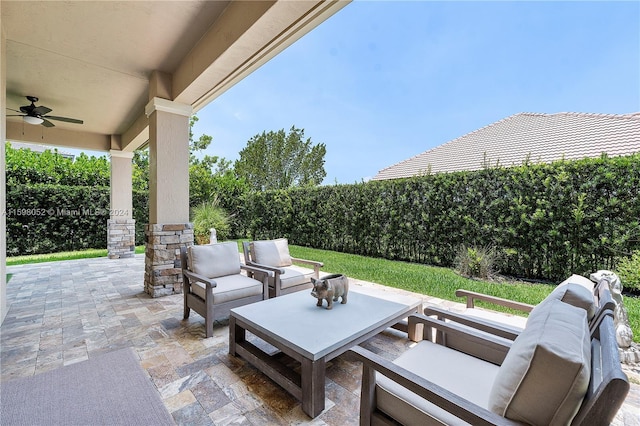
(94, 60)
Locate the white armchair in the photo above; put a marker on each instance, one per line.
(213, 283)
(555, 372)
(273, 255)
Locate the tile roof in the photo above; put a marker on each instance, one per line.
(40, 148)
(538, 137)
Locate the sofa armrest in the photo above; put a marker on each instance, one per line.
(208, 282)
(426, 389)
(472, 296)
(308, 262)
(481, 324)
(486, 347)
(316, 265)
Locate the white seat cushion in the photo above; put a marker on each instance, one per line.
(231, 287)
(214, 260)
(295, 275)
(545, 375)
(462, 374)
(272, 252)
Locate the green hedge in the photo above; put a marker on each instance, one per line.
(24, 166)
(545, 220)
(140, 214)
(45, 218)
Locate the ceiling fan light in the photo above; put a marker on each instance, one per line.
(32, 120)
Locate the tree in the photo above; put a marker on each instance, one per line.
(280, 160)
(214, 164)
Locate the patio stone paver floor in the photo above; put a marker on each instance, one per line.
(65, 312)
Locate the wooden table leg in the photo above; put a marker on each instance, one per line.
(237, 334)
(415, 331)
(312, 377)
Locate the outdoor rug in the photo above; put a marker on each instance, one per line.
(110, 389)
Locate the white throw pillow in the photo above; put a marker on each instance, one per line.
(574, 294)
(272, 252)
(579, 279)
(214, 260)
(545, 375)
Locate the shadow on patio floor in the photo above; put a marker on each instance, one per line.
(65, 312)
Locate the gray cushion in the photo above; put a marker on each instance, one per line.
(295, 275)
(272, 252)
(462, 374)
(580, 280)
(214, 260)
(230, 287)
(574, 294)
(545, 375)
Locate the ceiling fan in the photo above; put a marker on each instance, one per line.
(33, 114)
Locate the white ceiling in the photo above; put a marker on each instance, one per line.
(92, 60)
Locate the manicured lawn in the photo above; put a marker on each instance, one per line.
(434, 281)
(439, 282)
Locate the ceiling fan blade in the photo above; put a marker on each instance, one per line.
(66, 119)
(41, 110)
(14, 115)
(47, 123)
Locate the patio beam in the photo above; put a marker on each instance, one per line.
(168, 161)
(56, 136)
(247, 35)
(121, 229)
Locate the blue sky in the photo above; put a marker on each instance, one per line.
(380, 82)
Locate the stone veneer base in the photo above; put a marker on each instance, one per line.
(162, 272)
(121, 238)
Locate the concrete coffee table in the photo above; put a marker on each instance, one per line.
(311, 335)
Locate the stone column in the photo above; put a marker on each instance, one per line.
(162, 272)
(169, 227)
(121, 227)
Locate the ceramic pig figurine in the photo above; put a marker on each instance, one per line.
(330, 288)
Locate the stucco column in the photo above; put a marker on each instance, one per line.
(169, 227)
(3, 199)
(121, 227)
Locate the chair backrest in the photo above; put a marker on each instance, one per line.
(183, 258)
(212, 260)
(247, 250)
(609, 385)
(268, 252)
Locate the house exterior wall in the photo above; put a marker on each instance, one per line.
(3, 197)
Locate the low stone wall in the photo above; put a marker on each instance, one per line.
(121, 238)
(163, 274)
